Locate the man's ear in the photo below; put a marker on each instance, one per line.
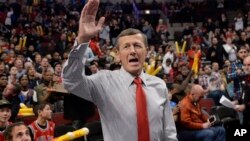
(38, 112)
(117, 54)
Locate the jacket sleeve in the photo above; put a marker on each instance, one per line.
(186, 119)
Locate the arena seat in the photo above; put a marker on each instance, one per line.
(207, 104)
(58, 118)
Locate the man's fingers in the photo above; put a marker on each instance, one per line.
(100, 23)
(92, 7)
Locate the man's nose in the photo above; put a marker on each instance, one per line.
(132, 49)
(27, 138)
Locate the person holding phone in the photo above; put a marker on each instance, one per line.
(193, 123)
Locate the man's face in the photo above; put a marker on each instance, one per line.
(246, 65)
(93, 68)
(242, 53)
(24, 81)
(132, 53)
(214, 41)
(207, 70)
(21, 133)
(184, 70)
(38, 58)
(46, 112)
(215, 67)
(19, 63)
(197, 96)
(2, 68)
(56, 56)
(58, 68)
(3, 81)
(13, 70)
(8, 91)
(5, 113)
(45, 62)
(47, 76)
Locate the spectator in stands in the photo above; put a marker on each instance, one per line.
(169, 54)
(148, 30)
(5, 114)
(3, 83)
(90, 56)
(30, 53)
(2, 68)
(243, 104)
(203, 78)
(216, 52)
(209, 25)
(16, 132)
(37, 61)
(27, 95)
(56, 58)
(191, 53)
(57, 78)
(104, 34)
(43, 128)
(223, 22)
(115, 29)
(239, 22)
(151, 52)
(162, 31)
(12, 78)
(8, 20)
(194, 124)
(94, 67)
(236, 74)
(11, 93)
(95, 47)
(174, 105)
(216, 86)
(44, 89)
(167, 66)
(34, 77)
(45, 65)
(19, 64)
(231, 49)
(61, 45)
(244, 40)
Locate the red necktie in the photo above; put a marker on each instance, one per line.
(142, 114)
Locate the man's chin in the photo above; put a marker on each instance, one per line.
(135, 72)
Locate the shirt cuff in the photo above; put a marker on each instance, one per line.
(76, 46)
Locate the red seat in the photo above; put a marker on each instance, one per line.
(207, 104)
(58, 118)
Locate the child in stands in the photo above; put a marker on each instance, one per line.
(42, 128)
(5, 113)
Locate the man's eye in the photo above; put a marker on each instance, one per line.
(126, 47)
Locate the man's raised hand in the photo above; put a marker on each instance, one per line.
(87, 24)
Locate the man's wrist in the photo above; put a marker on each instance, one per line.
(81, 40)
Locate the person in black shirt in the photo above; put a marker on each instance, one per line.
(244, 102)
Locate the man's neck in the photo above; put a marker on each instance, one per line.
(3, 124)
(24, 88)
(41, 121)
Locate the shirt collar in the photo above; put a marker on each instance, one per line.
(129, 78)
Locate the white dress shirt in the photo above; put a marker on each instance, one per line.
(114, 94)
